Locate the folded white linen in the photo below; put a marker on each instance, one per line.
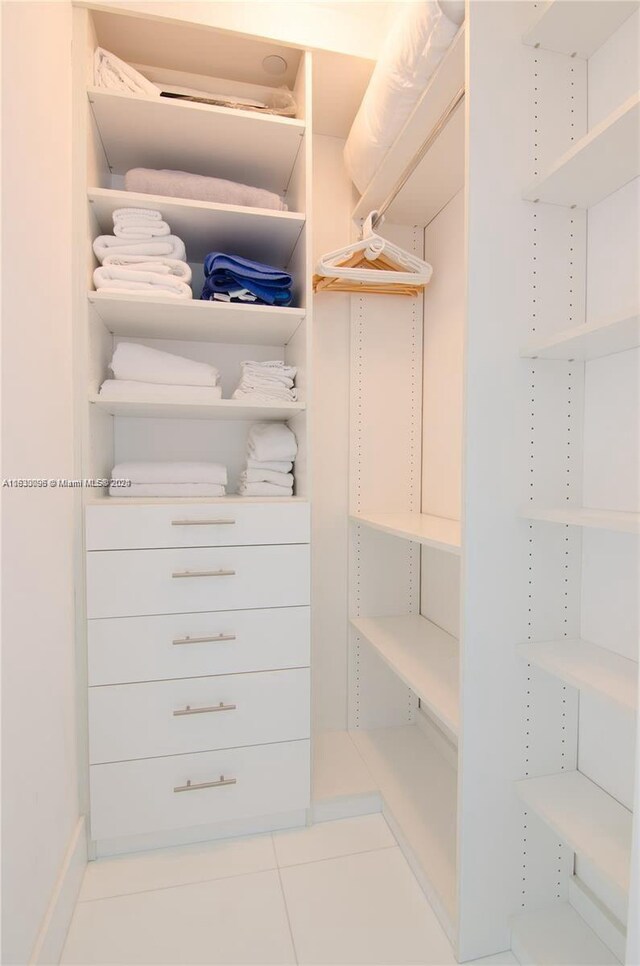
(159, 266)
(168, 489)
(271, 441)
(122, 390)
(270, 381)
(182, 184)
(141, 363)
(135, 216)
(114, 74)
(170, 472)
(266, 476)
(264, 489)
(169, 246)
(136, 282)
(278, 466)
(266, 395)
(156, 229)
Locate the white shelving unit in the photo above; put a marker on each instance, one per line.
(619, 521)
(593, 340)
(423, 656)
(604, 160)
(580, 28)
(148, 317)
(588, 667)
(218, 409)
(421, 528)
(589, 820)
(558, 934)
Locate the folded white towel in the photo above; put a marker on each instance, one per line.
(266, 395)
(159, 266)
(123, 390)
(114, 74)
(141, 363)
(264, 489)
(271, 441)
(182, 184)
(169, 246)
(160, 472)
(148, 229)
(135, 216)
(169, 489)
(278, 466)
(266, 476)
(136, 282)
(270, 381)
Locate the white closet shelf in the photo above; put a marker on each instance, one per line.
(219, 409)
(440, 174)
(146, 317)
(588, 667)
(590, 341)
(590, 821)
(437, 532)
(619, 521)
(106, 500)
(422, 655)
(558, 934)
(602, 161)
(148, 132)
(419, 788)
(257, 233)
(579, 27)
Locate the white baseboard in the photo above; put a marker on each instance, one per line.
(55, 925)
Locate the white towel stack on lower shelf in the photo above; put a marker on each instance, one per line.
(142, 257)
(267, 382)
(271, 451)
(148, 374)
(169, 479)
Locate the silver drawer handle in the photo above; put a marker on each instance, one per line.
(189, 787)
(216, 707)
(204, 573)
(202, 523)
(204, 640)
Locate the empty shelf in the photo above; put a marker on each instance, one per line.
(558, 934)
(422, 655)
(603, 160)
(588, 667)
(438, 532)
(218, 409)
(579, 27)
(590, 341)
(148, 132)
(590, 821)
(419, 788)
(153, 317)
(257, 233)
(440, 174)
(619, 521)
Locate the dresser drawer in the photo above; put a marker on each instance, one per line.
(135, 797)
(130, 583)
(224, 524)
(197, 714)
(126, 649)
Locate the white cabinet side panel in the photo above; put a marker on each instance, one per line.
(606, 746)
(610, 580)
(440, 589)
(613, 277)
(614, 70)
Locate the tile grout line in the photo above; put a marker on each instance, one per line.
(286, 906)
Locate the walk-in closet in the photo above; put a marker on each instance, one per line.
(322, 516)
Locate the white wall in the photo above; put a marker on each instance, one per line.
(39, 770)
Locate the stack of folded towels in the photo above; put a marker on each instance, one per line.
(141, 372)
(267, 382)
(142, 257)
(170, 479)
(271, 451)
(200, 187)
(231, 278)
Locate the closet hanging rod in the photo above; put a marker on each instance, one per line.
(419, 155)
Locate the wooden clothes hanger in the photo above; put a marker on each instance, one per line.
(373, 265)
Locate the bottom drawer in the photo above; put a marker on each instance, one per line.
(158, 794)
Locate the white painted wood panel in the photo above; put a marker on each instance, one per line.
(610, 580)
(606, 744)
(578, 27)
(128, 721)
(231, 523)
(130, 583)
(440, 589)
(556, 934)
(613, 258)
(437, 532)
(588, 341)
(614, 68)
(154, 407)
(137, 797)
(126, 649)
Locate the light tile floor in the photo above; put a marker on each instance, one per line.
(337, 893)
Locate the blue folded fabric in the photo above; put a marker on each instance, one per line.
(228, 273)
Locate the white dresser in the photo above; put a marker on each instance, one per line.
(198, 652)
